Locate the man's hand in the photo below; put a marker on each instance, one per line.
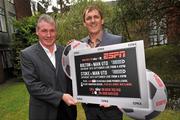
(104, 104)
(70, 41)
(69, 100)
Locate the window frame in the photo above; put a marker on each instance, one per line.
(11, 1)
(2, 21)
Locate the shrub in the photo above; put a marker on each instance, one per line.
(165, 61)
(22, 38)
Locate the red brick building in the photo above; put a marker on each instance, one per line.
(23, 8)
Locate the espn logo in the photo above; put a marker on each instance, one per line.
(113, 55)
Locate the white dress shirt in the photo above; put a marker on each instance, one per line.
(50, 55)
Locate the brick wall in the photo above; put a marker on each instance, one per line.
(23, 8)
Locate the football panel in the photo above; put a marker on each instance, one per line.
(67, 49)
(126, 110)
(65, 58)
(68, 70)
(152, 115)
(159, 100)
(152, 90)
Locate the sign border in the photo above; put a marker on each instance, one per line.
(120, 101)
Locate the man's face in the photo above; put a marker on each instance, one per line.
(93, 22)
(46, 33)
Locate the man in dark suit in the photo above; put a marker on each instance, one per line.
(50, 93)
(93, 21)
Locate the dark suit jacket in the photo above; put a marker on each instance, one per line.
(45, 83)
(107, 39)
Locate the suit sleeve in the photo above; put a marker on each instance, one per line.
(120, 39)
(37, 88)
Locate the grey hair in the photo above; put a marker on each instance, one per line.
(47, 18)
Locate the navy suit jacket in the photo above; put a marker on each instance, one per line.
(45, 83)
(107, 39)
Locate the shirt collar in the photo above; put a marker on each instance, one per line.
(47, 50)
(98, 40)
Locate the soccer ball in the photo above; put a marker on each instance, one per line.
(65, 57)
(157, 100)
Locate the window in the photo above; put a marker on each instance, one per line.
(11, 18)
(11, 1)
(2, 21)
(6, 57)
(158, 32)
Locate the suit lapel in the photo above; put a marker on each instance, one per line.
(58, 58)
(42, 54)
(104, 39)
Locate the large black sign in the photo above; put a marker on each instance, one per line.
(112, 73)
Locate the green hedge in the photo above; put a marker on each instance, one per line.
(165, 61)
(22, 38)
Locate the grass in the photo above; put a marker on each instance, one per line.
(13, 101)
(14, 104)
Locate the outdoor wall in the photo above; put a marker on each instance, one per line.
(23, 8)
(2, 3)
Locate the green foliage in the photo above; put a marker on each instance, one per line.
(165, 61)
(131, 19)
(136, 16)
(23, 37)
(70, 24)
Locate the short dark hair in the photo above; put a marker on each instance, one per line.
(90, 8)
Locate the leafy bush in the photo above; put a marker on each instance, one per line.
(70, 23)
(22, 38)
(165, 61)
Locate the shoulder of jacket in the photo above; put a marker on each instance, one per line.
(60, 47)
(112, 35)
(85, 39)
(30, 48)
